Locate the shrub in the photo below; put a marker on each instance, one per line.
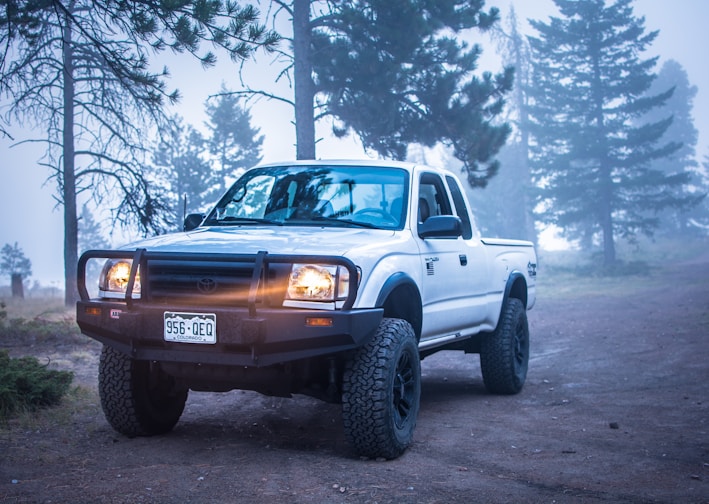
(25, 384)
(28, 331)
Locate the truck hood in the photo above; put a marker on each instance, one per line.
(274, 240)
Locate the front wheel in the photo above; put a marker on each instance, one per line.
(504, 354)
(382, 391)
(137, 397)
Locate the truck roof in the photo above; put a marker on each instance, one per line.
(408, 166)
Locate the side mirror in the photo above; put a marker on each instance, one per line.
(441, 226)
(192, 221)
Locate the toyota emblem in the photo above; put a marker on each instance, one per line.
(206, 286)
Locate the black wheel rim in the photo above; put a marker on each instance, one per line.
(404, 389)
(521, 344)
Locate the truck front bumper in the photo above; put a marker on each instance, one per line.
(273, 336)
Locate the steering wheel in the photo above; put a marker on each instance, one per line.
(375, 216)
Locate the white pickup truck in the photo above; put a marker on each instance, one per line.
(326, 278)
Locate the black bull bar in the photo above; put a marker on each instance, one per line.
(252, 335)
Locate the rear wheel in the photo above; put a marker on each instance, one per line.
(381, 392)
(504, 354)
(137, 397)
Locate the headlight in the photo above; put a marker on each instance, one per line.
(313, 282)
(114, 279)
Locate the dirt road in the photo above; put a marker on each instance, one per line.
(615, 409)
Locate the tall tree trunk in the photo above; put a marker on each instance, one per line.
(605, 205)
(68, 182)
(606, 217)
(304, 86)
(521, 97)
(18, 290)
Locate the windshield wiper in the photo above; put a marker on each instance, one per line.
(345, 222)
(247, 220)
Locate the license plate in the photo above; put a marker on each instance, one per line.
(190, 327)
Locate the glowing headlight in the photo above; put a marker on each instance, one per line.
(313, 282)
(115, 276)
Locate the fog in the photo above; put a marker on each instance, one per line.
(32, 218)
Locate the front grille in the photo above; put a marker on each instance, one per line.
(212, 283)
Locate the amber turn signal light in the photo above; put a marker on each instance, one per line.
(318, 322)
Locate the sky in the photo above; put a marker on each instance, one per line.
(33, 219)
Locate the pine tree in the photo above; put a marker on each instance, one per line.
(91, 232)
(17, 266)
(181, 165)
(235, 145)
(395, 74)
(592, 160)
(682, 131)
(91, 237)
(698, 216)
(504, 206)
(79, 71)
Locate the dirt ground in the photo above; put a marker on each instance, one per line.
(615, 409)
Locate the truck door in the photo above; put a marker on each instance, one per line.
(453, 283)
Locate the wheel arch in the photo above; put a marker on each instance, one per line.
(516, 287)
(400, 297)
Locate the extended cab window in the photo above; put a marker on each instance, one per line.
(460, 209)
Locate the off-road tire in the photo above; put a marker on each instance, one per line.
(382, 392)
(137, 397)
(504, 354)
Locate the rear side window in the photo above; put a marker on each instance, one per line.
(460, 208)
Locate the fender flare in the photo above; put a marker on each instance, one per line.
(515, 287)
(413, 311)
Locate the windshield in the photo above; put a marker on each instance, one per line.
(345, 196)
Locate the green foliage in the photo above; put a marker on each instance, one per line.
(25, 384)
(192, 167)
(699, 216)
(114, 93)
(81, 73)
(233, 143)
(394, 73)
(91, 233)
(681, 131)
(21, 323)
(501, 209)
(181, 167)
(28, 331)
(505, 207)
(14, 262)
(594, 145)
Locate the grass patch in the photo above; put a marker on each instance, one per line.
(632, 259)
(35, 322)
(574, 274)
(20, 331)
(46, 308)
(79, 408)
(26, 385)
